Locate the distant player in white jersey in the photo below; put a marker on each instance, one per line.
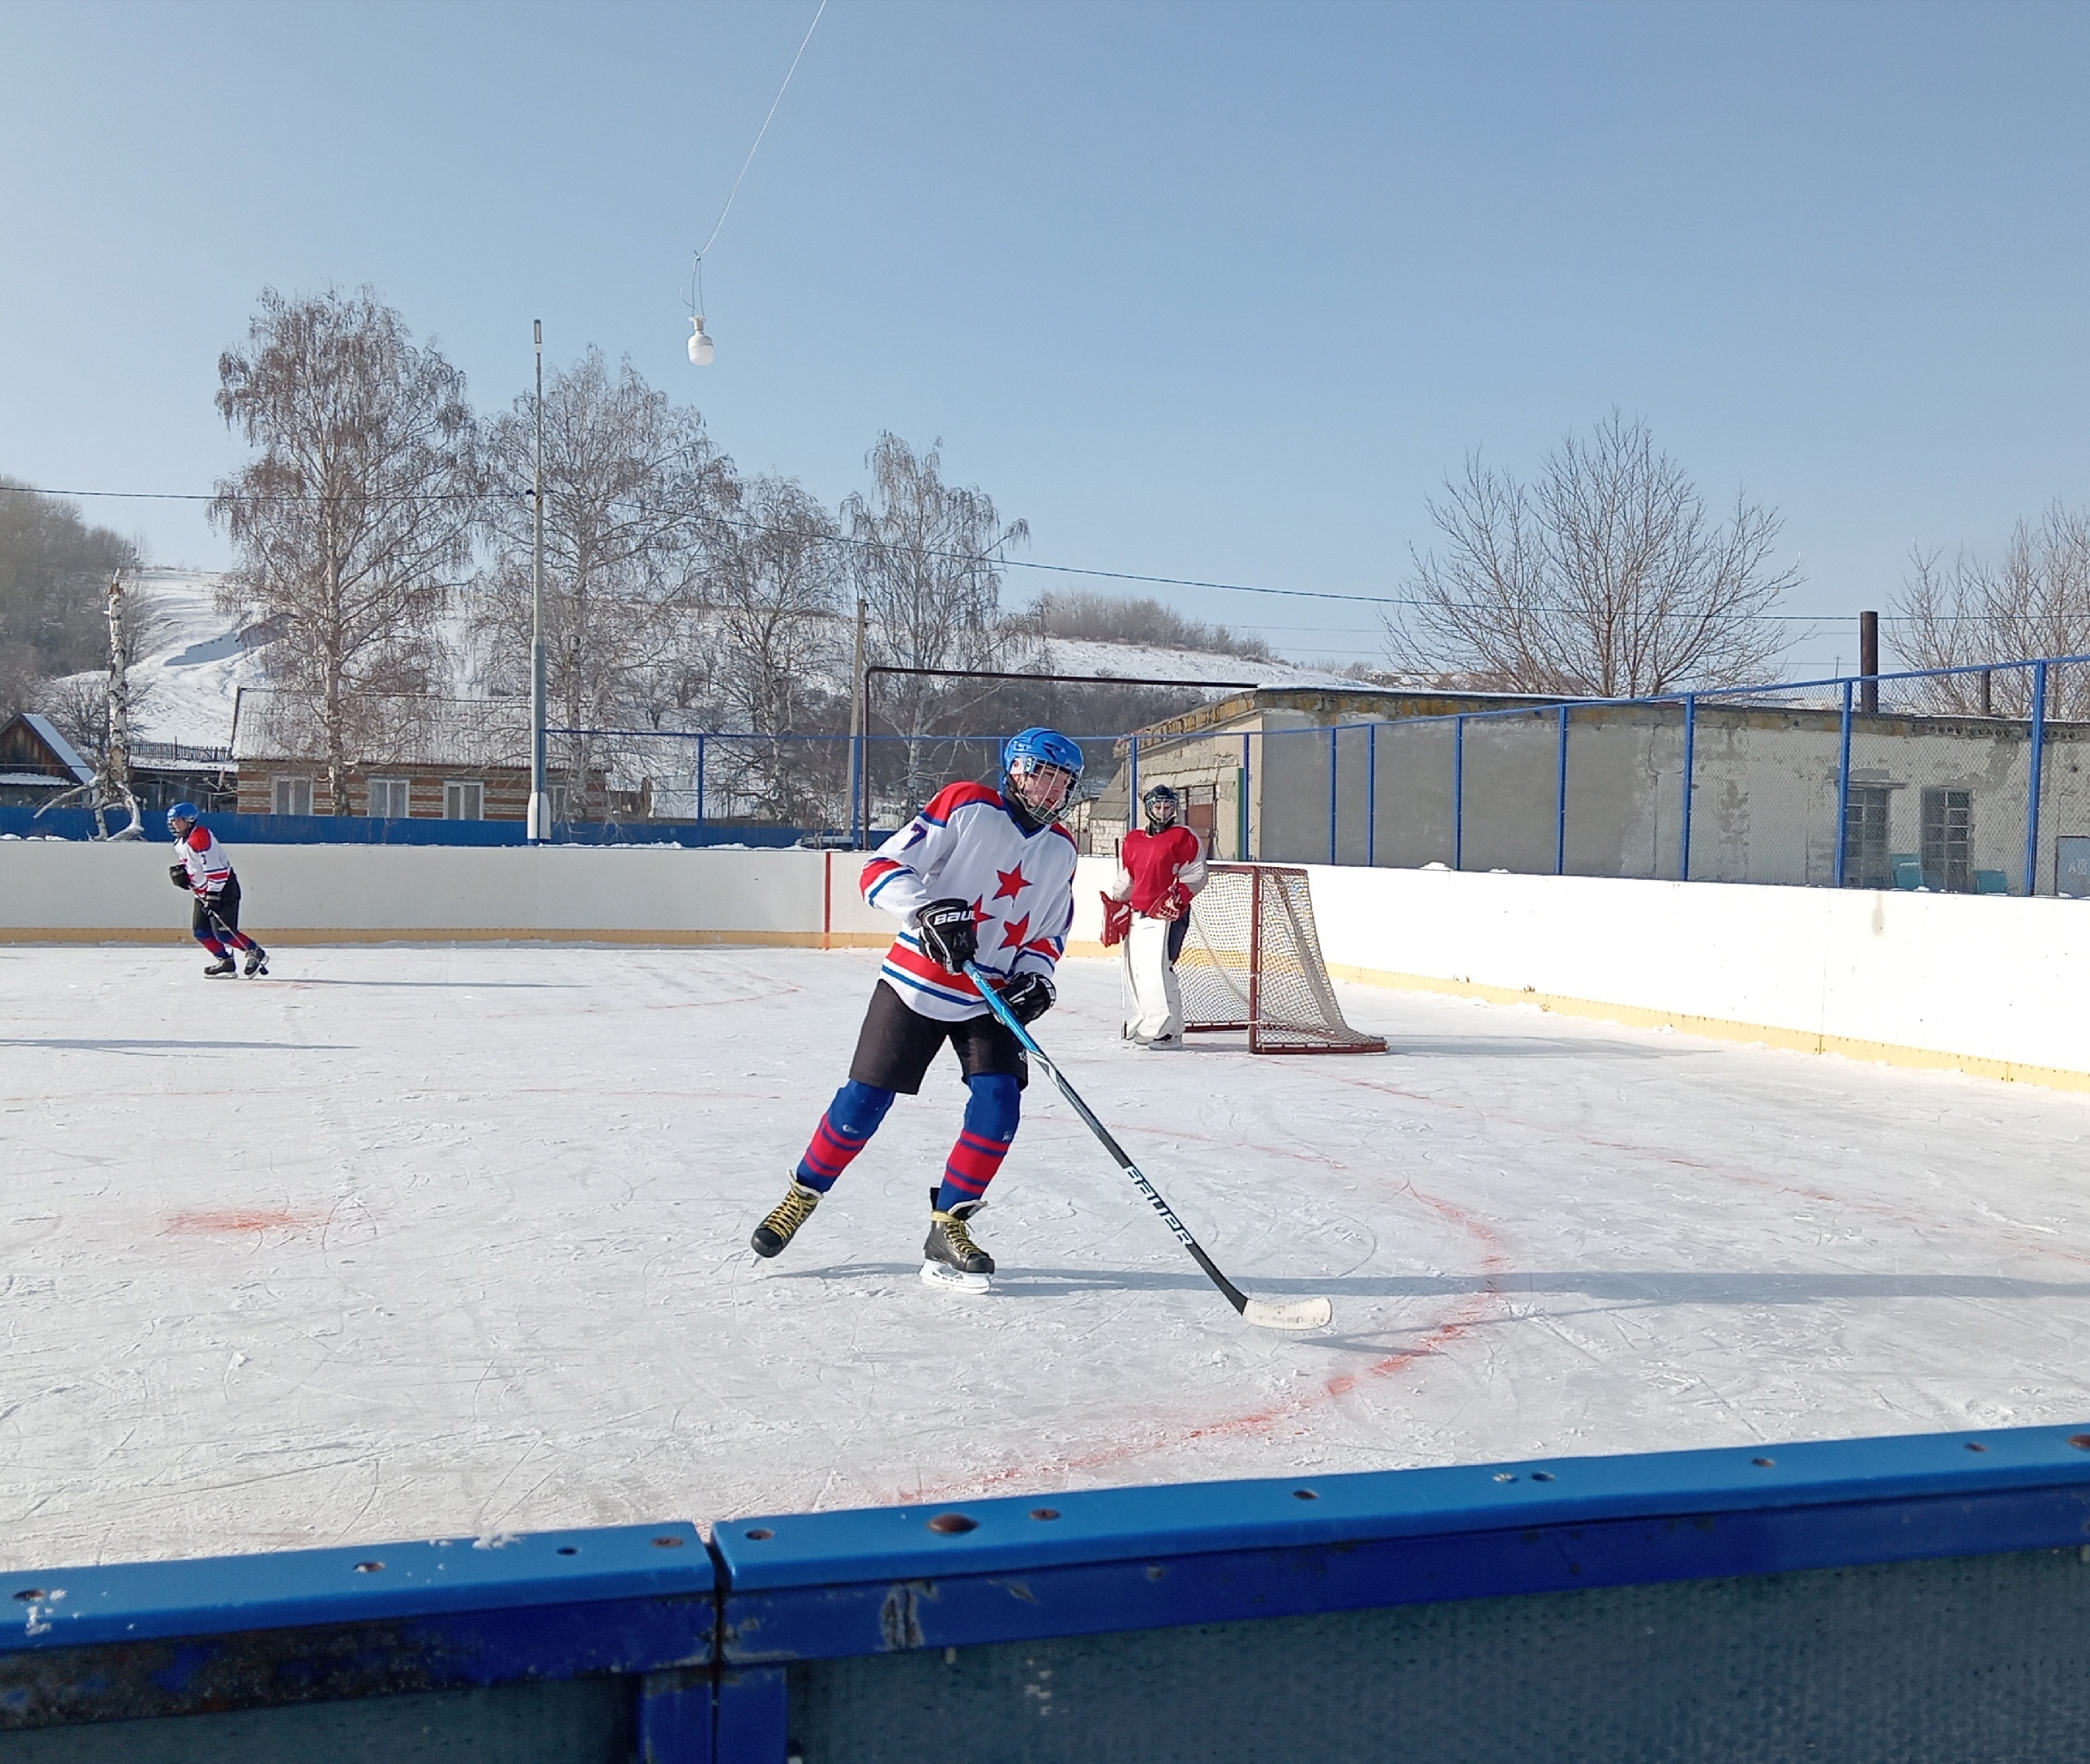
(205, 873)
(983, 876)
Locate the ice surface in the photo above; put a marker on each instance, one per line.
(412, 1241)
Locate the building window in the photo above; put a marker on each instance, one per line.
(1866, 863)
(388, 798)
(290, 796)
(1948, 854)
(464, 802)
(556, 793)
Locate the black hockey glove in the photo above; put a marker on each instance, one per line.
(1029, 996)
(949, 936)
(178, 874)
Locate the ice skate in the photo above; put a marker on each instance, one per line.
(257, 961)
(223, 965)
(950, 1258)
(782, 1225)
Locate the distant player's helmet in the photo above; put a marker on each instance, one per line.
(187, 811)
(1162, 805)
(1042, 766)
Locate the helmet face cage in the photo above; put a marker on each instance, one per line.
(1033, 782)
(1162, 805)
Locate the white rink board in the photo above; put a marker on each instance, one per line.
(414, 1241)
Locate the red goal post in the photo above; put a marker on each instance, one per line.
(1252, 961)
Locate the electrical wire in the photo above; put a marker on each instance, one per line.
(1000, 563)
(696, 266)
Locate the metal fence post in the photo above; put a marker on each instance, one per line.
(1690, 765)
(2039, 757)
(1371, 794)
(1334, 731)
(1132, 787)
(1247, 826)
(1560, 803)
(700, 781)
(1458, 792)
(1843, 795)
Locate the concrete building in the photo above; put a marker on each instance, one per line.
(1596, 789)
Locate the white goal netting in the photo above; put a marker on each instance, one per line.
(1252, 961)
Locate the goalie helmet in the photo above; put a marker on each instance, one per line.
(1162, 805)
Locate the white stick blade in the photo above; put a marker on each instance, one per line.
(1301, 1314)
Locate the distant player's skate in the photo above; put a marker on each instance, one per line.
(782, 1225)
(950, 1259)
(257, 961)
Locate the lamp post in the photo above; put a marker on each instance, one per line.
(540, 817)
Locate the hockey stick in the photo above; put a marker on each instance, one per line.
(1301, 1314)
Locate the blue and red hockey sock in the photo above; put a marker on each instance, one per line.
(991, 1117)
(844, 1130)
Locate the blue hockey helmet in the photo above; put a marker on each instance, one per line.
(1029, 757)
(187, 811)
(1042, 746)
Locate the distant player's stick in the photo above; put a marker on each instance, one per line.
(1301, 1314)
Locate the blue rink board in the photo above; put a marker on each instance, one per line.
(1901, 1598)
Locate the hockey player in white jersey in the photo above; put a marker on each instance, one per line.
(203, 871)
(983, 876)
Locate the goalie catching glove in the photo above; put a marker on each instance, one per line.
(951, 937)
(1029, 996)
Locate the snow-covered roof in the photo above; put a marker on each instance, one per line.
(62, 749)
(477, 733)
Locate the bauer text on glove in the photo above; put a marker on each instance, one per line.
(950, 937)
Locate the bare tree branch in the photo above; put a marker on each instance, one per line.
(2035, 601)
(359, 509)
(1604, 578)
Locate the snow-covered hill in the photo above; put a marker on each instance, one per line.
(199, 658)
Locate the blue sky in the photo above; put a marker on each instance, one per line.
(1217, 291)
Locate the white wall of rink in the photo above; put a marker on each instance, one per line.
(1993, 986)
(74, 892)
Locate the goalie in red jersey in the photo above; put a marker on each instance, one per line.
(1147, 909)
(980, 876)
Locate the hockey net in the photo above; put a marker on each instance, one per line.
(1252, 960)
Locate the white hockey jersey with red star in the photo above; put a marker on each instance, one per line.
(968, 845)
(209, 868)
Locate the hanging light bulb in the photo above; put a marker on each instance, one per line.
(701, 349)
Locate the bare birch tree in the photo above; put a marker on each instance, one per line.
(926, 556)
(775, 642)
(1606, 577)
(635, 500)
(358, 511)
(2035, 601)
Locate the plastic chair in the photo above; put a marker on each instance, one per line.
(1908, 869)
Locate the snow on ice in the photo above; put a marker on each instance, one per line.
(420, 1241)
